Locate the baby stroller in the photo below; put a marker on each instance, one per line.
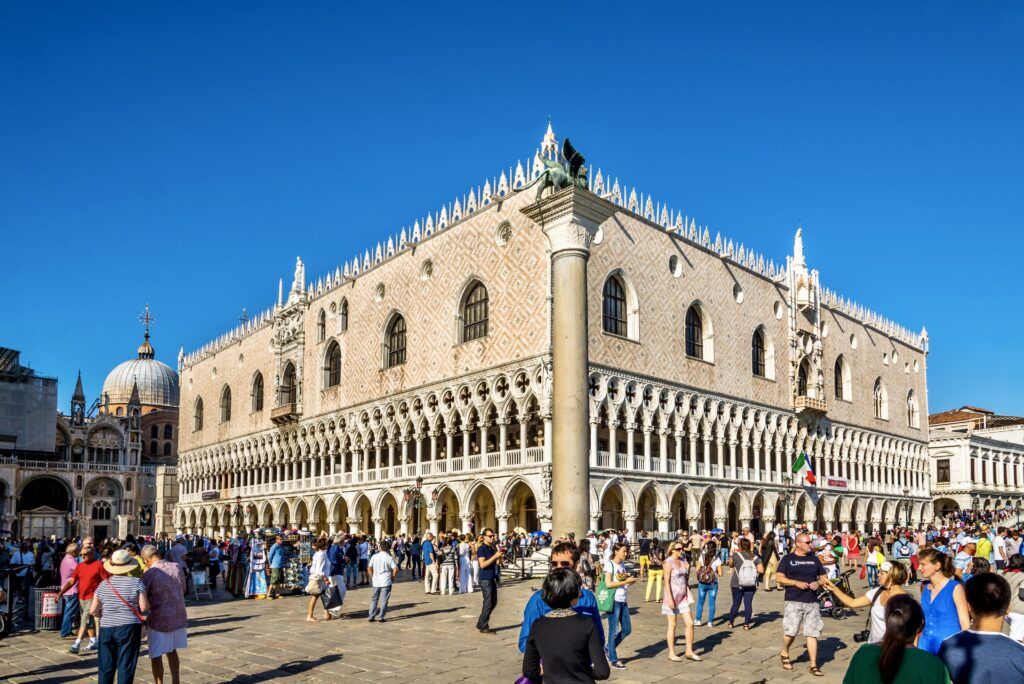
(827, 601)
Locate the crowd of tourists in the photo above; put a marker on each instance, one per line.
(943, 604)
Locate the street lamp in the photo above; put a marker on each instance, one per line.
(906, 497)
(413, 496)
(238, 514)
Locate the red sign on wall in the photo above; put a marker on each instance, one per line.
(838, 483)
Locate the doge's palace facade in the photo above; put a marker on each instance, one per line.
(415, 388)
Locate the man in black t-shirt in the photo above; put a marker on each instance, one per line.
(801, 573)
(644, 558)
(488, 557)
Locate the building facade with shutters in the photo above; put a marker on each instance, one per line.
(977, 460)
(411, 388)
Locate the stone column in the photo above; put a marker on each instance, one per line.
(433, 520)
(593, 441)
(503, 517)
(693, 522)
(378, 527)
(630, 519)
(613, 444)
(663, 529)
(569, 219)
(630, 446)
(353, 525)
(502, 439)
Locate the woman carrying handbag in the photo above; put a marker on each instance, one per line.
(121, 604)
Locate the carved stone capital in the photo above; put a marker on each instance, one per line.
(570, 218)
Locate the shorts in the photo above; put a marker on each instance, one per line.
(644, 561)
(797, 614)
(276, 577)
(84, 605)
(363, 564)
(162, 643)
(681, 608)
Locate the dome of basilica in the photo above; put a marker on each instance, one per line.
(158, 383)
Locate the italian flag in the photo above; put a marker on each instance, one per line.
(802, 470)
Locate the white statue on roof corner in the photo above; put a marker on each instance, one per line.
(299, 282)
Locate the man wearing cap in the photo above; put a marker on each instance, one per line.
(168, 621)
(962, 560)
(121, 603)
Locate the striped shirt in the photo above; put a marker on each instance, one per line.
(115, 612)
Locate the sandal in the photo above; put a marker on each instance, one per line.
(787, 664)
(675, 659)
(694, 657)
(816, 671)
(746, 628)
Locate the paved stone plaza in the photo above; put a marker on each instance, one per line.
(431, 639)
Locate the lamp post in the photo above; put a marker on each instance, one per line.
(906, 502)
(413, 495)
(238, 514)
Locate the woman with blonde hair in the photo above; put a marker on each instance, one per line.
(891, 578)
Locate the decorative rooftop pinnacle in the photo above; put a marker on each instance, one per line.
(549, 144)
(798, 248)
(79, 394)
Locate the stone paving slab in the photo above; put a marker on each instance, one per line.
(433, 639)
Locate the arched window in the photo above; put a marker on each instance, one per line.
(168, 431)
(615, 314)
(198, 417)
(394, 351)
(474, 314)
(167, 448)
(225, 404)
(321, 326)
(128, 484)
(288, 390)
(913, 418)
(698, 334)
(101, 510)
(757, 360)
(343, 322)
(152, 448)
(154, 432)
(257, 392)
(120, 411)
(332, 365)
(837, 378)
(881, 400)
(803, 373)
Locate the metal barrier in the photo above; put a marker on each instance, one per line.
(46, 613)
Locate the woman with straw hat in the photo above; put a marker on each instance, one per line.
(121, 603)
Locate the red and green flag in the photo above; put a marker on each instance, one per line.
(802, 471)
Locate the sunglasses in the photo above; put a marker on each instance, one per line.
(561, 564)
(678, 548)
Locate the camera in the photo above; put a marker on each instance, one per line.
(861, 636)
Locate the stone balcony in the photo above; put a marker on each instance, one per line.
(810, 404)
(285, 413)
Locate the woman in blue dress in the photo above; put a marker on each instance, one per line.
(942, 599)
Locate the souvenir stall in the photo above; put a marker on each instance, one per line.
(299, 549)
(237, 566)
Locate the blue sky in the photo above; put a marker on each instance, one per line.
(182, 154)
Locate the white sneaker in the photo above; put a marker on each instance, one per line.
(92, 647)
(696, 623)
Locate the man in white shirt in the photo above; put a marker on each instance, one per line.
(999, 548)
(382, 571)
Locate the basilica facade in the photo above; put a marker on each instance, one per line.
(418, 386)
(99, 476)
